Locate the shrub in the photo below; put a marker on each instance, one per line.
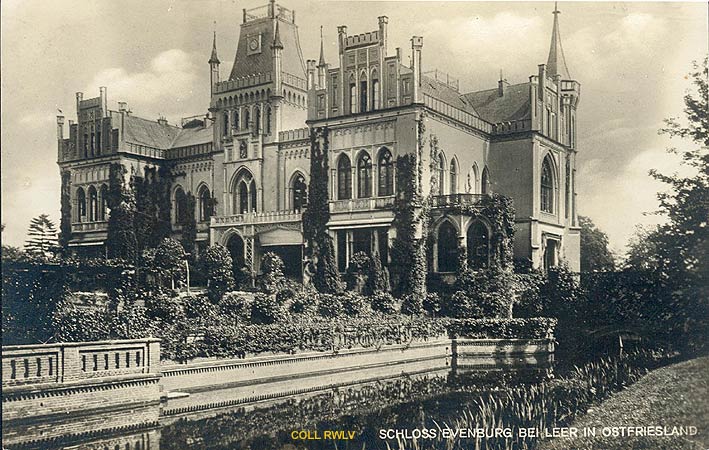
(378, 278)
(170, 262)
(534, 328)
(432, 304)
(165, 308)
(265, 309)
(384, 302)
(236, 306)
(527, 300)
(357, 272)
(217, 265)
(412, 305)
(132, 323)
(354, 304)
(461, 306)
(273, 279)
(492, 290)
(330, 305)
(72, 324)
(199, 307)
(304, 303)
(285, 295)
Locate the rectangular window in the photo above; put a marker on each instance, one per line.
(383, 241)
(362, 241)
(353, 98)
(98, 142)
(363, 96)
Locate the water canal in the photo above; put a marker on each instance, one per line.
(411, 396)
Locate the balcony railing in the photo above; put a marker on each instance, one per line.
(82, 227)
(258, 217)
(440, 201)
(362, 204)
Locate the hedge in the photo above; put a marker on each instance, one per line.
(533, 328)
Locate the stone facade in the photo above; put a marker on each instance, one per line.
(247, 160)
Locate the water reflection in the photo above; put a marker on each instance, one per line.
(380, 400)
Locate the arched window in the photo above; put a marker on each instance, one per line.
(300, 192)
(257, 120)
(252, 193)
(353, 95)
(236, 119)
(547, 186)
(363, 97)
(344, 178)
(447, 248)
(485, 182)
(205, 204)
(269, 118)
(386, 173)
(441, 174)
(364, 176)
(375, 91)
(103, 201)
(454, 177)
(93, 204)
(242, 194)
(567, 185)
(80, 204)
(180, 200)
(235, 245)
(226, 123)
(478, 241)
(247, 118)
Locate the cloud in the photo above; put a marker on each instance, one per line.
(171, 76)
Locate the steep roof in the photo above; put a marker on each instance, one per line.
(246, 64)
(495, 108)
(163, 136)
(446, 94)
(556, 62)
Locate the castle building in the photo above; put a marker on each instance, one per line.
(247, 162)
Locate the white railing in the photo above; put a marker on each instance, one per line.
(80, 227)
(362, 204)
(258, 217)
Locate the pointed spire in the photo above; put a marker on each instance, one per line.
(556, 63)
(322, 51)
(277, 38)
(214, 59)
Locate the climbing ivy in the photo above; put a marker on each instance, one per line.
(152, 222)
(408, 251)
(121, 242)
(189, 224)
(65, 222)
(315, 218)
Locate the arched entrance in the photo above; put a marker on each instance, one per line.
(235, 245)
(478, 241)
(447, 248)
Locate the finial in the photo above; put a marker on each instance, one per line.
(214, 59)
(322, 50)
(501, 75)
(556, 8)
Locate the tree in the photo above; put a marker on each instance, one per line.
(220, 277)
(42, 237)
(121, 241)
(595, 255)
(681, 245)
(170, 261)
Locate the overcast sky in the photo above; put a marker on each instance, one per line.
(630, 58)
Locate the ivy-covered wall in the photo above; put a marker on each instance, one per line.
(121, 241)
(65, 221)
(326, 277)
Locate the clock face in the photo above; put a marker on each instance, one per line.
(253, 44)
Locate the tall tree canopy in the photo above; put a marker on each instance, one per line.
(681, 245)
(42, 238)
(595, 255)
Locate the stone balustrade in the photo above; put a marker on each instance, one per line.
(82, 227)
(257, 218)
(362, 204)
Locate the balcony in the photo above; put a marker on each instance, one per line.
(362, 204)
(257, 218)
(451, 200)
(83, 227)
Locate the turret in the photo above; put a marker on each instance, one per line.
(60, 128)
(416, 46)
(214, 65)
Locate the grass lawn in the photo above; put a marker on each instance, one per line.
(676, 395)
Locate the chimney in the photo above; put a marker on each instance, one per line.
(398, 54)
(341, 37)
(122, 107)
(542, 80)
(60, 127)
(79, 98)
(162, 120)
(71, 122)
(383, 21)
(104, 101)
(310, 64)
(416, 45)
